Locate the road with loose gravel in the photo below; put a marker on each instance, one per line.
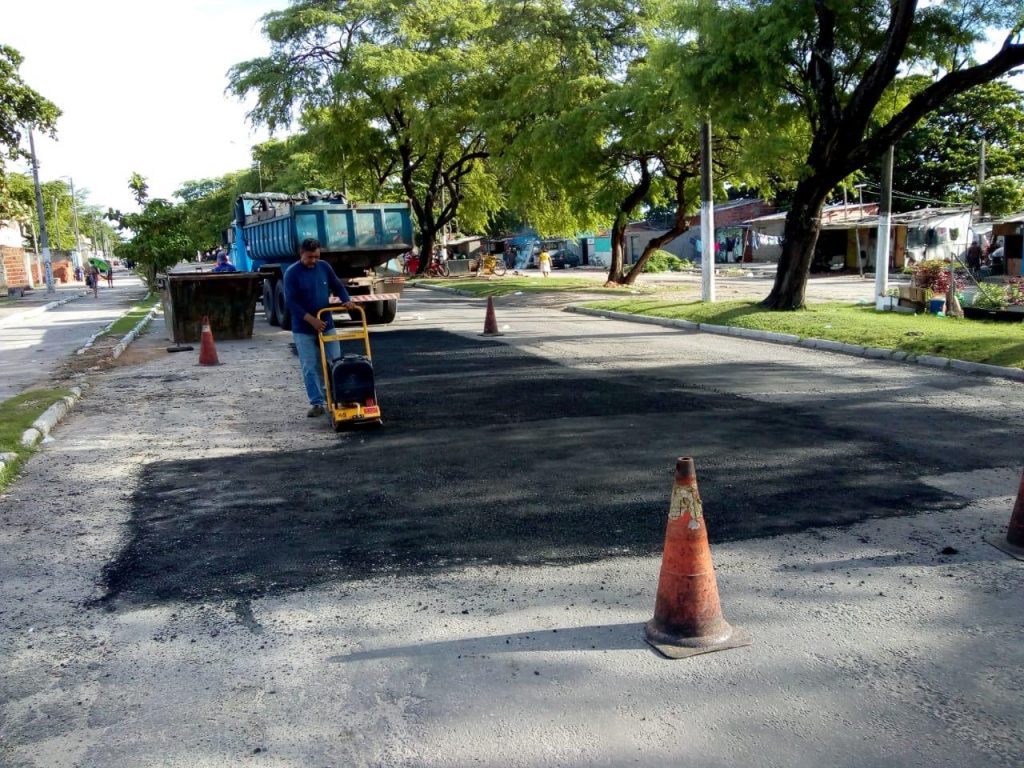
(197, 574)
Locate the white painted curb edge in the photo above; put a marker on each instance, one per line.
(50, 418)
(820, 344)
(134, 333)
(39, 310)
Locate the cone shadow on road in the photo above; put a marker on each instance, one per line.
(496, 458)
(600, 637)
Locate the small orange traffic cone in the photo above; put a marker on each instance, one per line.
(1013, 544)
(687, 614)
(491, 322)
(207, 350)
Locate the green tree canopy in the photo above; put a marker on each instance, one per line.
(159, 237)
(836, 62)
(939, 157)
(20, 107)
(396, 86)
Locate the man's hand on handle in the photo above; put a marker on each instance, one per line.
(318, 324)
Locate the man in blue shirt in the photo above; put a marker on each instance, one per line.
(308, 284)
(223, 265)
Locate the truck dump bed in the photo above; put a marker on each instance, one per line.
(353, 237)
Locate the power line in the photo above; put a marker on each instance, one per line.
(875, 189)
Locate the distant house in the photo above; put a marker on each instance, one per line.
(766, 231)
(927, 233)
(730, 229)
(1009, 232)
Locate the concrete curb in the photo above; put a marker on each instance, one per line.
(6, 458)
(39, 310)
(50, 418)
(824, 345)
(135, 332)
(445, 289)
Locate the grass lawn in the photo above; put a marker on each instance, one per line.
(131, 318)
(980, 341)
(17, 415)
(502, 286)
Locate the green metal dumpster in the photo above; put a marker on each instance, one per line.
(228, 299)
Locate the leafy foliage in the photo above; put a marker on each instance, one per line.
(397, 88)
(1000, 295)
(938, 158)
(20, 106)
(933, 276)
(663, 261)
(834, 66)
(1003, 195)
(19, 205)
(160, 237)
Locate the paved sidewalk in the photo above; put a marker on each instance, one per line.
(11, 308)
(35, 342)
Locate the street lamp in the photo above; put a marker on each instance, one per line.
(47, 265)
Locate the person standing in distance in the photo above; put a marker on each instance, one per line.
(308, 284)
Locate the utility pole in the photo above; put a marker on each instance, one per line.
(47, 266)
(884, 214)
(856, 228)
(981, 181)
(707, 217)
(78, 237)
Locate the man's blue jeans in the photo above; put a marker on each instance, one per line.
(308, 348)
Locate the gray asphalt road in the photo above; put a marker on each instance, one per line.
(233, 582)
(32, 347)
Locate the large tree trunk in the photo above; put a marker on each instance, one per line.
(629, 204)
(428, 240)
(679, 226)
(618, 246)
(800, 236)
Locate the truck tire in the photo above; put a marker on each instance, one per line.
(269, 305)
(381, 312)
(284, 317)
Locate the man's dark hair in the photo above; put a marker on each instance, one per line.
(309, 245)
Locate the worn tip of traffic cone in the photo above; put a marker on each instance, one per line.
(491, 322)
(687, 613)
(207, 349)
(685, 473)
(1013, 543)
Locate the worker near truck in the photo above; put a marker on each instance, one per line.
(308, 285)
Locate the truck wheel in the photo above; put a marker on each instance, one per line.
(269, 306)
(284, 317)
(381, 312)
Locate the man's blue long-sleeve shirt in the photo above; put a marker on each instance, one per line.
(308, 289)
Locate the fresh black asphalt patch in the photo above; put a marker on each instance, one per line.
(493, 456)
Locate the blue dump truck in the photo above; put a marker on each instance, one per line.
(357, 240)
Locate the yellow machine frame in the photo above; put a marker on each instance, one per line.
(346, 413)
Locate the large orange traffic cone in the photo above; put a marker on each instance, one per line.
(687, 615)
(207, 350)
(1013, 544)
(491, 322)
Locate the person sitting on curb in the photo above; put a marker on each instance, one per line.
(308, 285)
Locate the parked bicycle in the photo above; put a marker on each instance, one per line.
(437, 268)
(490, 264)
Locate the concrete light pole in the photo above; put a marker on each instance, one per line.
(707, 217)
(47, 265)
(74, 213)
(884, 221)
